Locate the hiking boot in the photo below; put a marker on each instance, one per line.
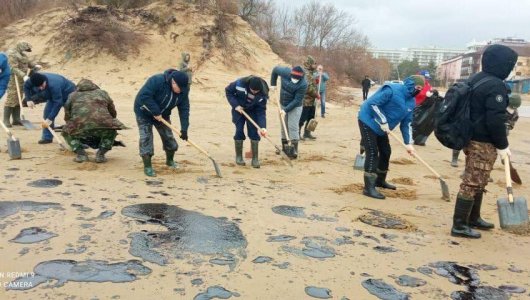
(7, 116)
(294, 150)
(148, 167)
(16, 116)
(81, 156)
(369, 186)
(381, 180)
(454, 162)
(255, 147)
(170, 160)
(461, 226)
(239, 152)
(43, 141)
(308, 135)
(475, 220)
(100, 155)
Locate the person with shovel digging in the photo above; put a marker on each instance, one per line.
(154, 102)
(487, 110)
(391, 105)
(293, 89)
(248, 94)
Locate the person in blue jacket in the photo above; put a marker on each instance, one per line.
(52, 88)
(154, 102)
(5, 72)
(293, 89)
(391, 105)
(248, 94)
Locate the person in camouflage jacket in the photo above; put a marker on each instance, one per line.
(90, 115)
(309, 107)
(20, 63)
(184, 66)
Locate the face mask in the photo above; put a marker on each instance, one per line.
(294, 80)
(415, 93)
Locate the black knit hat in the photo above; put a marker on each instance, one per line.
(297, 72)
(37, 79)
(255, 84)
(181, 79)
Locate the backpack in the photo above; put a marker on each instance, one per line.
(452, 122)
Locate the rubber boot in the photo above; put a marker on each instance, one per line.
(170, 160)
(16, 116)
(461, 226)
(100, 155)
(381, 180)
(239, 152)
(369, 186)
(308, 135)
(475, 220)
(255, 147)
(285, 149)
(81, 155)
(454, 162)
(294, 153)
(148, 167)
(7, 116)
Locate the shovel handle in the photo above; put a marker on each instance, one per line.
(177, 131)
(282, 120)
(416, 156)
(509, 188)
(9, 133)
(18, 94)
(59, 140)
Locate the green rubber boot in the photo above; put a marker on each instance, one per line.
(148, 167)
(255, 158)
(239, 152)
(170, 162)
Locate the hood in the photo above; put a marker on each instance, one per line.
(410, 85)
(3, 61)
(167, 75)
(499, 60)
(185, 57)
(86, 85)
(23, 47)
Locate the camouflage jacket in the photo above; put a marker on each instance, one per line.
(18, 60)
(89, 108)
(312, 88)
(184, 66)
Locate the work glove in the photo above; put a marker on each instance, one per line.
(504, 152)
(263, 132)
(411, 150)
(317, 80)
(435, 93)
(429, 94)
(37, 68)
(282, 112)
(30, 104)
(239, 109)
(184, 135)
(26, 78)
(385, 127)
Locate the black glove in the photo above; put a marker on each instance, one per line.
(435, 93)
(184, 135)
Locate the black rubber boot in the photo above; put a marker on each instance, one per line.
(255, 148)
(239, 152)
(148, 167)
(461, 226)
(170, 160)
(369, 186)
(16, 116)
(381, 180)
(308, 135)
(7, 116)
(294, 153)
(100, 155)
(454, 162)
(475, 220)
(81, 155)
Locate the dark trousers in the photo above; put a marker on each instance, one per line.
(251, 129)
(377, 149)
(308, 113)
(365, 94)
(145, 127)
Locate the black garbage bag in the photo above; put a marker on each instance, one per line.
(423, 119)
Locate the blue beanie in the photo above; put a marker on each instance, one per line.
(181, 79)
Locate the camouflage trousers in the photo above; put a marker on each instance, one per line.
(480, 158)
(12, 97)
(104, 139)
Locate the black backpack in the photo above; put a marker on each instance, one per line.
(452, 122)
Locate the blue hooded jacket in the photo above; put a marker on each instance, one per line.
(393, 104)
(55, 94)
(5, 73)
(291, 94)
(160, 99)
(238, 94)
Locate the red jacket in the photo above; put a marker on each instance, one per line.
(423, 93)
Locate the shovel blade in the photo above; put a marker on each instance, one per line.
(445, 190)
(312, 125)
(28, 125)
(358, 164)
(216, 167)
(13, 148)
(512, 214)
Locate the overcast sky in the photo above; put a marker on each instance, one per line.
(391, 24)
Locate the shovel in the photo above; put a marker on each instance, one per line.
(289, 148)
(215, 165)
(312, 124)
(359, 162)
(512, 212)
(284, 157)
(515, 175)
(27, 124)
(445, 189)
(13, 144)
(59, 140)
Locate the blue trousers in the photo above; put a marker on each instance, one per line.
(251, 129)
(322, 103)
(46, 134)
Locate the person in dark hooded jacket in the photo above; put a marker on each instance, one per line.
(488, 105)
(155, 100)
